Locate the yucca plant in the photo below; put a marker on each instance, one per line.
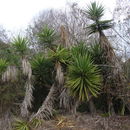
(47, 36)
(59, 57)
(3, 65)
(96, 53)
(115, 72)
(27, 125)
(80, 49)
(20, 45)
(9, 68)
(42, 69)
(60, 54)
(84, 78)
(21, 125)
(95, 12)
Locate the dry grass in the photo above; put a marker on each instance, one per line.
(87, 122)
(78, 122)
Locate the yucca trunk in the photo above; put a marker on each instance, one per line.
(114, 72)
(108, 52)
(6, 120)
(67, 102)
(47, 109)
(92, 107)
(10, 75)
(27, 102)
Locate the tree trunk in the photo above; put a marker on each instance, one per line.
(48, 106)
(67, 102)
(27, 102)
(111, 110)
(116, 74)
(46, 111)
(92, 107)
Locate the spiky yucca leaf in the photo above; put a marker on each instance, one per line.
(95, 11)
(47, 36)
(27, 125)
(84, 78)
(42, 68)
(102, 25)
(61, 54)
(21, 125)
(80, 49)
(20, 45)
(3, 65)
(41, 65)
(96, 53)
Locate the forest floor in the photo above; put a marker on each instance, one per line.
(87, 122)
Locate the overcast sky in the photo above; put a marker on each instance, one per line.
(17, 14)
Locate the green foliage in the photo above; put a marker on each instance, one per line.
(47, 36)
(20, 45)
(3, 65)
(61, 54)
(42, 68)
(95, 12)
(96, 53)
(80, 49)
(35, 123)
(21, 125)
(84, 77)
(101, 25)
(27, 125)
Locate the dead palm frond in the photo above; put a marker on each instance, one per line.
(59, 74)
(64, 37)
(26, 67)
(63, 122)
(11, 74)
